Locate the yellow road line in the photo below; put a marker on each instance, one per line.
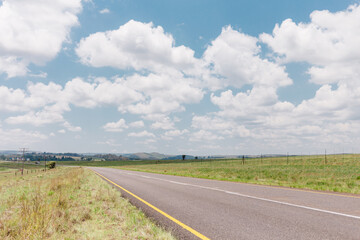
(196, 233)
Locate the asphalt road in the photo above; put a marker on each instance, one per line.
(226, 210)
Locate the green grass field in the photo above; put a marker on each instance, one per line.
(7, 165)
(69, 203)
(338, 173)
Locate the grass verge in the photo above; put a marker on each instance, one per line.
(335, 176)
(69, 203)
(337, 173)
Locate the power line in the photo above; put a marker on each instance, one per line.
(23, 150)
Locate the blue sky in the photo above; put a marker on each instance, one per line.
(194, 77)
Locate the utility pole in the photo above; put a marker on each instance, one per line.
(23, 150)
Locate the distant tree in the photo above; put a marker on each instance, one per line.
(183, 157)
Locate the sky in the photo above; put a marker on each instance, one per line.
(180, 77)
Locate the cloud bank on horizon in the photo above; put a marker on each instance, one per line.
(170, 98)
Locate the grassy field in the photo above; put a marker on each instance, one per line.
(338, 173)
(69, 203)
(6, 166)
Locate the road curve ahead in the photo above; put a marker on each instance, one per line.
(200, 209)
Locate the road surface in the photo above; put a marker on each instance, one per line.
(199, 209)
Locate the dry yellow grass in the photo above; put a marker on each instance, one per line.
(69, 203)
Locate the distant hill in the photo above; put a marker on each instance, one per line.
(9, 152)
(143, 155)
(177, 157)
(127, 156)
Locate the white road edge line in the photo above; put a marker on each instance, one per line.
(252, 197)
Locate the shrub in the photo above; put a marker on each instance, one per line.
(51, 165)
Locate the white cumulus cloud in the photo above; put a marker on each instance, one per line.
(33, 31)
(137, 124)
(235, 57)
(104, 11)
(118, 126)
(141, 134)
(329, 42)
(134, 45)
(18, 137)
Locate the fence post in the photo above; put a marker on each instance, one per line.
(287, 158)
(325, 157)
